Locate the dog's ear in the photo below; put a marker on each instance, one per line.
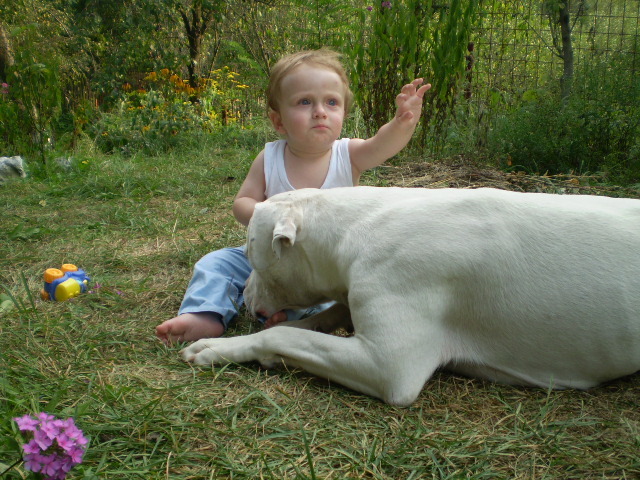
(284, 234)
(272, 226)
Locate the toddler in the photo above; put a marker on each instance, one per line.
(308, 99)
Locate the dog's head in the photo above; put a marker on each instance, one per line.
(276, 250)
(273, 228)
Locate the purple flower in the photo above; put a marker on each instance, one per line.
(386, 4)
(43, 440)
(31, 447)
(33, 462)
(75, 433)
(50, 464)
(26, 423)
(54, 446)
(75, 454)
(5, 89)
(51, 429)
(64, 442)
(369, 8)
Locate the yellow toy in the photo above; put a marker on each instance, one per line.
(64, 283)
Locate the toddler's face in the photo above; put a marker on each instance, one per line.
(311, 106)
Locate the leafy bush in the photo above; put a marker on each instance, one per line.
(597, 129)
(166, 110)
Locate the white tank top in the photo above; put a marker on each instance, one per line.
(275, 175)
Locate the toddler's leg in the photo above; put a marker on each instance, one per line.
(189, 327)
(212, 297)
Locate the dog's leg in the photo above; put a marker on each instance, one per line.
(381, 360)
(344, 360)
(329, 320)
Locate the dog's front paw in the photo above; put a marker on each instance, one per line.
(222, 351)
(209, 351)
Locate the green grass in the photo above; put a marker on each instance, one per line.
(137, 226)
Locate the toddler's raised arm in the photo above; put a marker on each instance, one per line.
(393, 136)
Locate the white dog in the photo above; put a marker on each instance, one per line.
(522, 288)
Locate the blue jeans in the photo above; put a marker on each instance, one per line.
(217, 286)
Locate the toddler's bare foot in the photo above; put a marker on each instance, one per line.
(190, 327)
(275, 319)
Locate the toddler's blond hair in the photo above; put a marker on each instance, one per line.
(324, 58)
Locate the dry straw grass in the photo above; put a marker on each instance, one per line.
(462, 172)
(137, 226)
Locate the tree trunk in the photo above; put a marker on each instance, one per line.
(6, 55)
(195, 27)
(567, 50)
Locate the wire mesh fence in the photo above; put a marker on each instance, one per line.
(514, 48)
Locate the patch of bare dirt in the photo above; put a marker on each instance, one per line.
(465, 173)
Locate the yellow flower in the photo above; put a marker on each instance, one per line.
(165, 72)
(152, 77)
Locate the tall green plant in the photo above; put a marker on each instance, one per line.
(390, 49)
(449, 49)
(36, 88)
(33, 98)
(406, 39)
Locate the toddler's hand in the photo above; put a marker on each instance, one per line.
(409, 102)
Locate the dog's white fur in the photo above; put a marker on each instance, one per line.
(522, 288)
